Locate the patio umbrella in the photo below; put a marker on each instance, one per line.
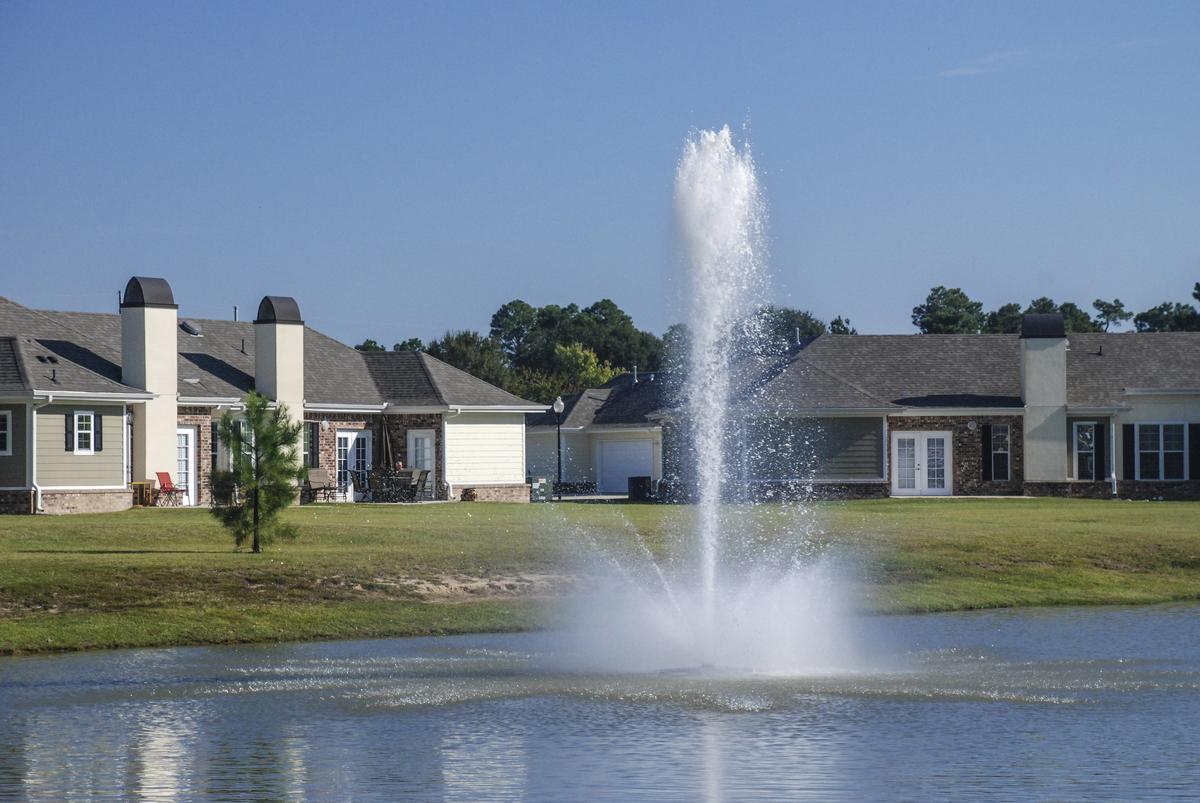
(385, 451)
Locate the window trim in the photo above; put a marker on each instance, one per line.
(1075, 425)
(7, 451)
(1162, 466)
(992, 452)
(91, 417)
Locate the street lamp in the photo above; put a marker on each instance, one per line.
(558, 407)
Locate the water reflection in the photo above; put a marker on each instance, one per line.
(1096, 704)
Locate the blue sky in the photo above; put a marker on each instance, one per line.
(406, 168)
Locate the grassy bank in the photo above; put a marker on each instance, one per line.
(157, 577)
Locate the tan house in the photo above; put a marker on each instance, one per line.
(91, 402)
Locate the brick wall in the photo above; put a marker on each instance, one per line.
(967, 450)
(398, 427)
(106, 501)
(517, 492)
(16, 502)
(1126, 489)
(201, 419)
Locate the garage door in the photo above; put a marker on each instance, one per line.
(620, 460)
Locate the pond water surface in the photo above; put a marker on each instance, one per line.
(1046, 704)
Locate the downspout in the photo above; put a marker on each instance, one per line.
(37, 489)
(454, 413)
(1112, 454)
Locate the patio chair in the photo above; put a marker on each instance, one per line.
(169, 494)
(319, 484)
(420, 481)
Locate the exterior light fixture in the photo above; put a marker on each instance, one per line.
(558, 408)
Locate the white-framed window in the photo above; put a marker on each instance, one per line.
(1001, 451)
(85, 432)
(1083, 439)
(5, 433)
(1162, 451)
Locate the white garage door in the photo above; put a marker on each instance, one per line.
(620, 460)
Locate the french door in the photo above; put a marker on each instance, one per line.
(921, 464)
(185, 463)
(353, 454)
(420, 456)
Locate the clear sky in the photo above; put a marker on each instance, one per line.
(405, 168)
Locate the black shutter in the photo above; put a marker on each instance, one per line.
(985, 436)
(70, 430)
(1129, 447)
(1194, 450)
(314, 440)
(97, 433)
(1101, 450)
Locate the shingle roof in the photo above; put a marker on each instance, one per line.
(417, 379)
(922, 370)
(619, 403)
(1100, 367)
(12, 371)
(219, 363)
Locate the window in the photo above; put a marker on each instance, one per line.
(5, 433)
(1085, 450)
(1161, 451)
(84, 432)
(1000, 452)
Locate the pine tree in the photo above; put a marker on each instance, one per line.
(264, 474)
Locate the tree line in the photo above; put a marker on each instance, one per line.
(949, 310)
(538, 353)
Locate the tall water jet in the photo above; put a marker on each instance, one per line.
(721, 214)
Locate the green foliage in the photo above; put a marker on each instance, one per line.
(412, 344)
(1006, 320)
(264, 476)
(1110, 312)
(369, 345)
(529, 335)
(1168, 317)
(841, 326)
(779, 326)
(948, 310)
(472, 352)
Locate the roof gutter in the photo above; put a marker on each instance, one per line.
(499, 408)
(1161, 391)
(85, 395)
(344, 408)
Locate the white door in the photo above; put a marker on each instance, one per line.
(353, 454)
(921, 464)
(185, 463)
(620, 460)
(421, 456)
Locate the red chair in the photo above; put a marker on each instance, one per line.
(169, 494)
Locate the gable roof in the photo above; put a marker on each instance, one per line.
(219, 363)
(620, 403)
(12, 369)
(417, 379)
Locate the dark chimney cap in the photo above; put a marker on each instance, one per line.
(146, 291)
(1043, 325)
(278, 309)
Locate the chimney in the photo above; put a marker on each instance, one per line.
(1044, 349)
(149, 361)
(279, 353)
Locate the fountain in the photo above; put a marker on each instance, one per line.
(750, 599)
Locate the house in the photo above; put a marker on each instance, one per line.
(1040, 413)
(91, 402)
(607, 437)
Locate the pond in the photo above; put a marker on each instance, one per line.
(1065, 703)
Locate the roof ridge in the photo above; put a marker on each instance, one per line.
(421, 358)
(22, 361)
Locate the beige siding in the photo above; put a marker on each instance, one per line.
(485, 448)
(12, 467)
(541, 458)
(56, 467)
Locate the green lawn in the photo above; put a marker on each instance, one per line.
(158, 577)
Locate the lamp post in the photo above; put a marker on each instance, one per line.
(558, 407)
